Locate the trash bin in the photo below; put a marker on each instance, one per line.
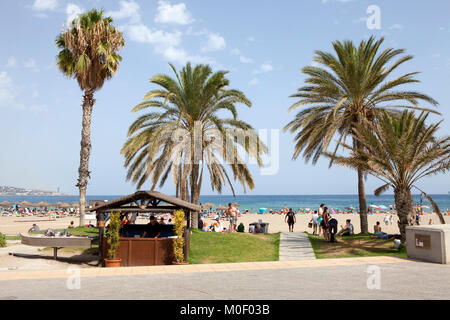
(429, 243)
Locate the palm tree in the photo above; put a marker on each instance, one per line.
(344, 90)
(88, 53)
(188, 133)
(401, 150)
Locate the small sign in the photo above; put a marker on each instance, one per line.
(423, 241)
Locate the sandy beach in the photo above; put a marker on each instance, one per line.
(15, 225)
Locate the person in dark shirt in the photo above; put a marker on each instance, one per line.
(153, 229)
(291, 219)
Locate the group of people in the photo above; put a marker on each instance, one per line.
(232, 213)
(322, 223)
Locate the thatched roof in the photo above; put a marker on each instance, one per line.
(26, 204)
(43, 204)
(145, 200)
(208, 205)
(6, 204)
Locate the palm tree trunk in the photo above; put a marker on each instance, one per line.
(194, 194)
(83, 170)
(362, 196)
(404, 207)
(362, 203)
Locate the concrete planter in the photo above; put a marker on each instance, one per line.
(429, 243)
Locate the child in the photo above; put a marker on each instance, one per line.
(71, 226)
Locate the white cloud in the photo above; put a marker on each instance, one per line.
(128, 9)
(254, 82)
(142, 33)
(72, 11)
(250, 39)
(264, 68)
(215, 42)
(43, 5)
(8, 92)
(12, 62)
(31, 64)
(176, 14)
(396, 27)
(242, 58)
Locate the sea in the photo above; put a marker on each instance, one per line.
(255, 202)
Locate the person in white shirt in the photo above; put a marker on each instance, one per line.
(386, 220)
(315, 221)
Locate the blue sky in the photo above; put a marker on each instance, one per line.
(263, 44)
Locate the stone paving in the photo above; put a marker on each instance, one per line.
(295, 246)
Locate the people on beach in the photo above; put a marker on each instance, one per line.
(386, 220)
(377, 229)
(332, 229)
(325, 223)
(241, 228)
(290, 219)
(34, 228)
(232, 215)
(320, 213)
(71, 225)
(315, 221)
(347, 230)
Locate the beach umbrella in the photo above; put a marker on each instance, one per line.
(75, 204)
(208, 205)
(221, 207)
(43, 204)
(26, 204)
(332, 210)
(6, 204)
(57, 204)
(262, 210)
(383, 207)
(235, 204)
(65, 205)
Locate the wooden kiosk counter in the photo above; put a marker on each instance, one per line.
(145, 251)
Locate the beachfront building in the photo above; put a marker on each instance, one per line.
(135, 250)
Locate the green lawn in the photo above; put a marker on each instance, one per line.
(212, 247)
(360, 245)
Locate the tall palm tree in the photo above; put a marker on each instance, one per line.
(401, 150)
(189, 132)
(342, 91)
(89, 47)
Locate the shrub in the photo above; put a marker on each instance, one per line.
(178, 242)
(2, 240)
(112, 234)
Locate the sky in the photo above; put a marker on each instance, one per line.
(263, 44)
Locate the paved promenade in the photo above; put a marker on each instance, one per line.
(307, 279)
(295, 246)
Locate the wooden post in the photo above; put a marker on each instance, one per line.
(101, 231)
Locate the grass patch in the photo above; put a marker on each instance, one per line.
(360, 245)
(212, 247)
(13, 237)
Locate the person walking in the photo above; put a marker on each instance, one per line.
(290, 219)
